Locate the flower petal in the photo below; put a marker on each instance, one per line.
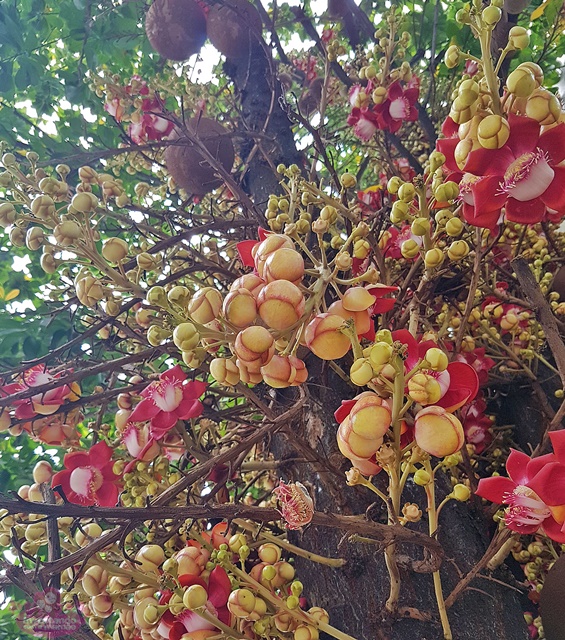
(76, 459)
(494, 489)
(100, 454)
(558, 442)
(161, 423)
(528, 212)
(517, 466)
(344, 410)
(219, 587)
(524, 134)
(463, 386)
(194, 388)
(554, 195)
(484, 162)
(549, 484)
(554, 529)
(145, 410)
(244, 249)
(553, 143)
(107, 495)
(174, 374)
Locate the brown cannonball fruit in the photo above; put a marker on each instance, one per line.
(186, 164)
(231, 27)
(176, 28)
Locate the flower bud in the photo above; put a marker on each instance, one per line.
(420, 226)
(195, 597)
(437, 160)
(452, 56)
(115, 250)
(280, 304)
(186, 336)
(205, 306)
(224, 371)
(493, 132)
(458, 250)
(433, 258)
(454, 227)
(409, 249)
(306, 632)
(534, 69)
(422, 478)
(284, 264)
(348, 180)
(324, 338)
(407, 192)
(94, 580)
(241, 603)
(284, 371)
(446, 191)
(424, 389)
(518, 38)
(240, 308)
(89, 291)
(461, 492)
(361, 372)
(269, 553)
(491, 15)
(67, 232)
(145, 261)
(379, 96)
(35, 238)
(436, 359)
(521, 82)
(380, 354)
(361, 249)
(42, 472)
(343, 261)
(543, 107)
(411, 512)
(84, 202)
(151, 556)
(394, 185)
(438, 432)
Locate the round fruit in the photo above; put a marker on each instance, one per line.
(176, 28)
(232, 28)
(186, 164)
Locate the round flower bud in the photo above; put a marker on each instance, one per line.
(324, 338)
(8, 214)
(543, 107)
(241, 603)
(205, 306)
(84, 202)
(348, 180)
(34, 238)
(254, 345)
(518, 38)
(411, 512)
(306, 632)
(179, 295)
(195, 597)
(186, 336)
(361, 372)
(407, 192)
(424, 389)
(284, 371)
(458, 250)
(436, 359)
(461, 112)
(438, 432)
(380, 354)
(280, 304)
(268, 573)
(115, 250)
(42, 472)
(433, 258)
(534, 69)
(422, 478)
(379, 95)
(284, 264)
(67, 232)
(224, 371)
(521, 82)
(240, 308)
(446, 191)
(420, 226)
(361, 249)
(394, 184)
(409, 249)
(452, 56)
(468, 93)
(146, 261)
(43, 207)
(491, 15)
(454, 227)
(89, 291)
(269, 553)
(156, 335)
(461, 492)
(493, 132)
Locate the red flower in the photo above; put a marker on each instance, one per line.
(44, 403)
(524, 175)
(88, 477)
(365, 122)
(168, 400)
(395, 238)
(534, 491)
(479, 361)
(476, 424)
(398, 107)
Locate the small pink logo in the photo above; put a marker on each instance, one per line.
(44, 618)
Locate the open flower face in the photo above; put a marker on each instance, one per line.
(534, 491)
(88, 477)
(297, 507)
(168, 400)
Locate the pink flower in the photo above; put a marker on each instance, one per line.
(297, 507)
(534, 491)
(481, 363)
(88, 477)
(365, 122)
(476, 425)
(168, 400)
(218, 589)
(44, 403)
(115, 108)
(395, 240)
(398, 107)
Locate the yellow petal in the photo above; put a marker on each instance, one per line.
(538, 13)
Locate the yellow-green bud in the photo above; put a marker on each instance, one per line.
(348, 180)
(409, 249)
(437, 359)
(195, 597)
(446, 191)
(493, 132)
(380, 354)
(394, 185)
(458, 250)
(361, 372)
(433, 258)
(407, 192)
(437, 160)
(269, 573)
(420, 226)
(461, 492)
(156, 296)
(452, 56)
(454, 227)
(491, 15)
(422, 477)
(521, 82)
(519, 38)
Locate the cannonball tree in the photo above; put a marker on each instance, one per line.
(281, 330)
